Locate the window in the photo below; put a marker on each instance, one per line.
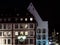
(0, 33)
(9, 26)
(21, 33)
(39, 43)
(44, 30)
(26, 32)
(38, 30)
(23, 25)
(0, 26)
(8, 41)
(31, 26)
(4, 26)
(4, 41)
(44, 36)
(4, 33)
(9, 33)
(26, 41)
(44, 43)
(16, 33)
(16, 26)
(31, 41)
(31, 33)
(25, 19)
(31, 19)
(16, 41)
(38, 37)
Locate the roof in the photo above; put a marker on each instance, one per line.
(15, 15)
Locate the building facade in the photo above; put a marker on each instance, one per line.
(28, 24)
(13, 27)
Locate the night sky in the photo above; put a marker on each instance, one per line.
(45, 8)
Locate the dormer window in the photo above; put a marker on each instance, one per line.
(4, 19)
(21, 19)
(31, 19)
(25, 19)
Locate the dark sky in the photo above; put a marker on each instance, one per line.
(45, 8)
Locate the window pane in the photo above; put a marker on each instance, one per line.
(0, 33)
(44, 36)
(16, 41)
(39, 43)
(26, 32)
(9, 26)
(38, 37)
(9, 33)
(4, 41)
(0, 26)
(31, 25)
(31, 33)
(4, 33)
(31, 41)
(8, 41)
(39, 31)
(44, 30)
(44, 43)
(16, 26)
(26, 41)
(16, 33)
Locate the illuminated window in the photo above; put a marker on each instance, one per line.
(5, 33)
(16, 33)
(44, 43)
(26, 26)
(31, 19)
(25, 19)
(26, 32)
(21, 19)
(21, 33)
(9, 26)
(9, 33)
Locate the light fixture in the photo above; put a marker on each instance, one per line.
(31, 19)
(25, 19)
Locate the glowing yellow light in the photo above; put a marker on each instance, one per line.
(21, 32)
(26, 33)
